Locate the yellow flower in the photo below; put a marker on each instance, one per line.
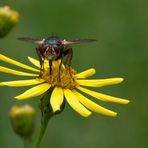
(69, 86)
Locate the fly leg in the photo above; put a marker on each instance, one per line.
(69, 53)
(60, 67)
(41, 61)
(50, 67)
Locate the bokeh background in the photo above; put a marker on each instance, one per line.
(121, 50)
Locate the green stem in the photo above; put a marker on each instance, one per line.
(47, 113)
(26, 143)
(42, 131)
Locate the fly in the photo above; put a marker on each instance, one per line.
(54, 48)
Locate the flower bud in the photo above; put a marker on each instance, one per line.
(8, 18)
(22, 119)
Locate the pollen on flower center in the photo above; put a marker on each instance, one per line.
(64, 78)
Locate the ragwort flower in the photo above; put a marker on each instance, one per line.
(69, 86)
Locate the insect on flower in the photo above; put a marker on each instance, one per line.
(54, 48)
(71, 88)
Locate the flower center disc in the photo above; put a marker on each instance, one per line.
(63, 77)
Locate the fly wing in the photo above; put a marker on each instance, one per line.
(32, 40)
(77, 41)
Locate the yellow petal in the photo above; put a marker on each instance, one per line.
(93, 106)
(46, 63)
(86, 73)
(1, 84)
(15, 72)
(19, 83)
(34, 61)
(11, 61)
(75, 104)
(104, 97)
(37, 63)
(34, 91)
(56, 64)
(56, 99)
(100, 82)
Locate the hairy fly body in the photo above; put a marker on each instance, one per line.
(54, 48)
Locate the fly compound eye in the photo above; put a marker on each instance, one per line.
(56, 50)
(47, 51)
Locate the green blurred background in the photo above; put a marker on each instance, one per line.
(121, 28)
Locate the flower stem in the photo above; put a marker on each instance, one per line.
(47, 113)
(42, 131)
(26, 143)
